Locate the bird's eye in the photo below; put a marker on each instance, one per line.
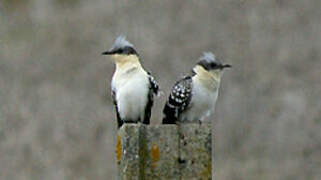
(126, 50)
(129, 50)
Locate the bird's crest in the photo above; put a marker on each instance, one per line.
(121, 42)
(209, 57)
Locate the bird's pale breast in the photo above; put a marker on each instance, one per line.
(202, 103)
(131, 95)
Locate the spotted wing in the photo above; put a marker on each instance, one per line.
(153, 84)
(153, 89)
(178, 100)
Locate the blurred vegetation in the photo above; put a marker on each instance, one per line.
(56, 115)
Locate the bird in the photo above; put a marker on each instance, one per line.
(194, 96)
(132, 87)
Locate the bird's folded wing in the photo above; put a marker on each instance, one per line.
(178, 100)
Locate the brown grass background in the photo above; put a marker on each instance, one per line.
(56, 115)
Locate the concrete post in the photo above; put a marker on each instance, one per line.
(164, 152)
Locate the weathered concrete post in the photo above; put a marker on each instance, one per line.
(164, 152)
(195, 151)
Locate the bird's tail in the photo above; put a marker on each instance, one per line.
(170, 114)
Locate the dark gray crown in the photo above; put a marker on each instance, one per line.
(121, 46)
(208, 61)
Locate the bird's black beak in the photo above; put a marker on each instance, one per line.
(109, 52)
(226, 66)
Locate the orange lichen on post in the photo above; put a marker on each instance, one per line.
(155, 154)
(118, 149)
(207, 172)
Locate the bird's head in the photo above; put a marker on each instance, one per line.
(212, 65)
(122, 50)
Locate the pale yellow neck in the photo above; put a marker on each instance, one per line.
(210, 80)
(125, 61)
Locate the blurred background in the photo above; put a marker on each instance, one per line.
(56, 116)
